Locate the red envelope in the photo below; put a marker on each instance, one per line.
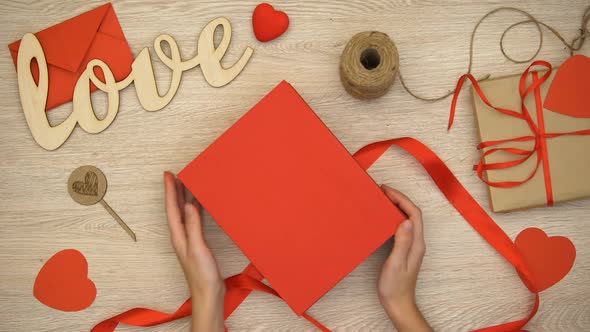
(292, 198)
(70, 45)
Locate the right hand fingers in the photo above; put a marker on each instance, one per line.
(402, 244)
(404, 203)
(415, 215)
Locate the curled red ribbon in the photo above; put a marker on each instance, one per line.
(538, 135)
(239, 286)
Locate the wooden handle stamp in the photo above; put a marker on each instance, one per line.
(87, 185)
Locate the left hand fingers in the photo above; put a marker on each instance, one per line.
(174, 214)
(180, 194)
(193, 226)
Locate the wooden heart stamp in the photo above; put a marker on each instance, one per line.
(87, 185)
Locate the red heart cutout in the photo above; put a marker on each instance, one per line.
(63, 284)
(548, 258)
(268, 23)
(569, 92)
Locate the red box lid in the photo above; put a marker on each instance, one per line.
(291, 197)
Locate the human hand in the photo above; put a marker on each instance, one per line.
(200, 268)
(397, 282)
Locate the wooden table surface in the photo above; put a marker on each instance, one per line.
(464, 283)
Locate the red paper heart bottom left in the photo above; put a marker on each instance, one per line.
(63, 282)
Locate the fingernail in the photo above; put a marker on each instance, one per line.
(188, 209)
(408, 225)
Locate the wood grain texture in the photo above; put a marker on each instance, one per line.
(463, 284)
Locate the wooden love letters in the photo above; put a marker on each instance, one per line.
(33, 96)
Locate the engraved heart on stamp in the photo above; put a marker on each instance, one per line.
(89, 186)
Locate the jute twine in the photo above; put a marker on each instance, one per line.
(369, 62)
(369, 65)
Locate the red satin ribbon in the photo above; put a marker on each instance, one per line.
(544, 154)
(463, 202)
(239, 286)
(147, 317)
(538, 136)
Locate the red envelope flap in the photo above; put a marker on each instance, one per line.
(66, 44)
(110, 25)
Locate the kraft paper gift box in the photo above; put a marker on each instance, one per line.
(563, 171)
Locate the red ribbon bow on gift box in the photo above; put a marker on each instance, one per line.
(538, 134)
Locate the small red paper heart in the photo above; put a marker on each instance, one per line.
(548, 258)
(569, 91)
(268, 23)
(63, 284)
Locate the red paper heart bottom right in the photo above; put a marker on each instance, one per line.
(549, 258)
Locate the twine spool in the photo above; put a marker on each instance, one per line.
(370, 61)
(369, 65)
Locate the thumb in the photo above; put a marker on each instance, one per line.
(401, 245)
(192, 225)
